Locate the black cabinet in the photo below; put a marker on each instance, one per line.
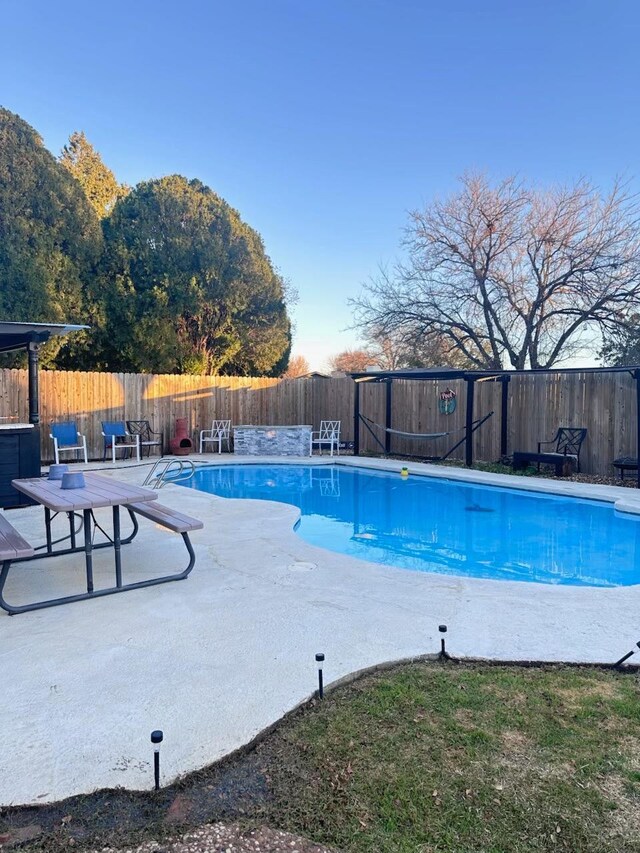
(19, 458)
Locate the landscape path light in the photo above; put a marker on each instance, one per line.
(156, 740)
(443, 648)
(320, 661)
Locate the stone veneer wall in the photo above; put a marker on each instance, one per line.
(272, 441)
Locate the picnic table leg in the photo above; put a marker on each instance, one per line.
(134, 532)
(72, 529)
(47, 527)
(88, 555)
(116, 544)
(3, 579)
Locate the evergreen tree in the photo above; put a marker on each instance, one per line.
(188, 287)
(97, 180)
(621, 344)
(50, 238)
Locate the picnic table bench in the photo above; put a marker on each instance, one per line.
(166, 516)
(12, 545)
(172, 520)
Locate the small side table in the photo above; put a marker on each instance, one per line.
(625, 463)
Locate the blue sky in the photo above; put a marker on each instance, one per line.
(323, 123)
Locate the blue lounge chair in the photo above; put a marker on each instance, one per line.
(66, 438)
(116, 436)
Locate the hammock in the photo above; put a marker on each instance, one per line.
(426, 436)
(415, 434)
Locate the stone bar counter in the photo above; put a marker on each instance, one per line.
(272, 440)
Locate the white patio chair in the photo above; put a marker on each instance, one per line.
(327, 436)
(220, 431)
(67, 438)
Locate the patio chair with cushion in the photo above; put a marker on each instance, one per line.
(116, 437)
(327, 436)
(220, 432)
(566, 453)
(148, 438)
(66, 438)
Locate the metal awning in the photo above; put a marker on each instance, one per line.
(20, 335)
(29, 336)
(409, 373)
(458, 373)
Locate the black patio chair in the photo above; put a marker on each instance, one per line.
(148, 438)
(568, 441)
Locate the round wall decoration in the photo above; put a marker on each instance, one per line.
(447, 402)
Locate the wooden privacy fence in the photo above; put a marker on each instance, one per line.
(89, 398)
(538, 405)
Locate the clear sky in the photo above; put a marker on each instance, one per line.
(323, 123)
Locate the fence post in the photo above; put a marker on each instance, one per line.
(468, 454)
(636, 374)
(356, 420)
(388, 400)
(504, 415)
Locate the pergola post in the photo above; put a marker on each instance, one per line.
(387, 420)
(356, 419)
(468, 444)
(34, 407)
(504, 415)
(636, 373)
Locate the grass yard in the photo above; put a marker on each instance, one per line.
(424, 758)
(459, 758)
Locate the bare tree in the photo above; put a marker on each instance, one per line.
(390, 352)
(397, 350)
(507, 275)
(298, 366)
(353, 361)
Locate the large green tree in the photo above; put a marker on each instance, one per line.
(187, 286)
(50, 238)
(99, 183)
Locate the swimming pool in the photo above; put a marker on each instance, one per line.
(431, 524)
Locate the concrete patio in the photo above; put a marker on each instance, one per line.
(216, 658)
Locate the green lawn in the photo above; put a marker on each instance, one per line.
(458, 758)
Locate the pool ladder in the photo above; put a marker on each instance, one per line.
(169, 471)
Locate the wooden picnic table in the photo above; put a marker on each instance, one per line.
(98, 492)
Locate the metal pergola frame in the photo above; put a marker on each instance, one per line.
(471, 377)
(30, 337)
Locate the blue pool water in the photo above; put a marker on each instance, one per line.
(437, 525)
